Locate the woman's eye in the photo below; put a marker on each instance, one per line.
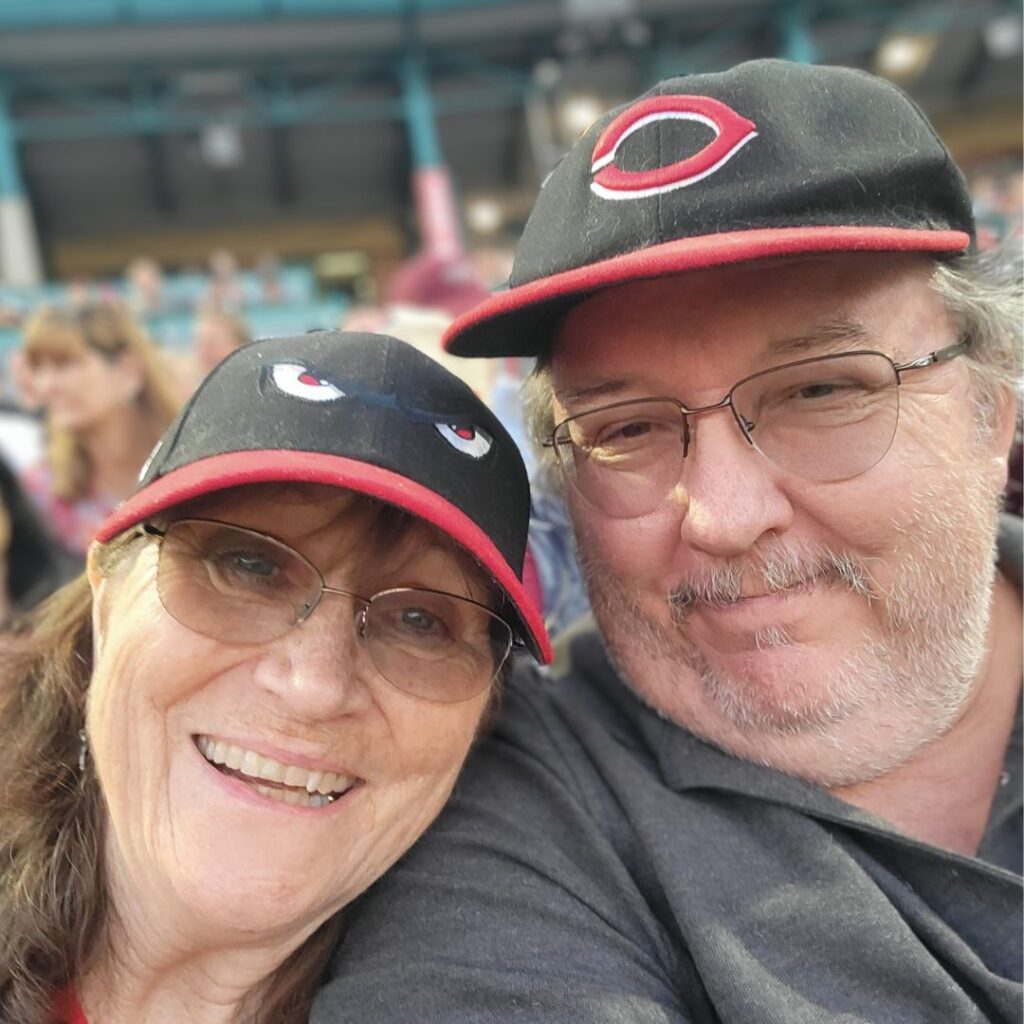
(246, 568)
(253, 565)
(301, 382)
(416, 620)
(470, 441)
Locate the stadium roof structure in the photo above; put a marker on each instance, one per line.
(142, 116)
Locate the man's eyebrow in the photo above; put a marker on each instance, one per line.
(600, 389)
(831, 336)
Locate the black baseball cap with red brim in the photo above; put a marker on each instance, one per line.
(768, 159)
(364, 412)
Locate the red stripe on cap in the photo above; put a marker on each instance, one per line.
(235, 469)
(697, 254)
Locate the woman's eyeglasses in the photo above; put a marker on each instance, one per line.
(826, 419)
(243, 587)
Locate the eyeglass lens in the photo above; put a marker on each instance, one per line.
(242, 587)
(824, 419)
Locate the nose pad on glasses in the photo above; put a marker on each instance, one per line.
(361, 623)
(686, 435)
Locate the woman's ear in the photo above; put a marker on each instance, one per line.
(93, 571)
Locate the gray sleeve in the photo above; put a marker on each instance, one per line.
(514, 907)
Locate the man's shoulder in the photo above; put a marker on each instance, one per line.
(579, 703)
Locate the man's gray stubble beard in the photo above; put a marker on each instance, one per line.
(919, 674)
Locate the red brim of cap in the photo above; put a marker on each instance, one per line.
(482, 332)
(235, 469)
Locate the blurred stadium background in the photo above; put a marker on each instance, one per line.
(310, 163)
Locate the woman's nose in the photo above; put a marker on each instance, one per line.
(320, 669)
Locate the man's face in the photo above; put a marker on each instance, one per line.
(827, 629)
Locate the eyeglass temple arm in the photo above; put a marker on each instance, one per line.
(942, 355)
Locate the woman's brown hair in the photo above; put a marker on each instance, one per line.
(109, 329)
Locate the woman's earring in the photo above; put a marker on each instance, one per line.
(82, 749)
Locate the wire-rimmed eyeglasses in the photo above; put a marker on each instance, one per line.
(827, 418)
(243, 587)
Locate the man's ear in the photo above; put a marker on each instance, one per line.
(1006, 415)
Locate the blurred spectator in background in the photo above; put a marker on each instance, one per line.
(108, 396)
(268, 274)
(32, 564)
(217, 333)
(226, 290)
(144, 287)
(23, 391)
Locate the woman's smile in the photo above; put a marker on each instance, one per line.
(278, 781)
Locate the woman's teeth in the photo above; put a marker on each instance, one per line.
(290, 784)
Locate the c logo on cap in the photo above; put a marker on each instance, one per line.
(732, 132)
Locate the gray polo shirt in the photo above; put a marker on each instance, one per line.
(600, 865)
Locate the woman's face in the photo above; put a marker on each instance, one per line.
(204, 847)
(79, 390)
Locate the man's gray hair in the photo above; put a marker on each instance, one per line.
(983, 292)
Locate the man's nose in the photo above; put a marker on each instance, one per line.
(320, 670)
(731, 492)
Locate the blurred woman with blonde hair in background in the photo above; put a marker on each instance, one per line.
(108, 396)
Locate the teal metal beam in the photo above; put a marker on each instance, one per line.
(797, 40)
(420, 114)
(11, 182)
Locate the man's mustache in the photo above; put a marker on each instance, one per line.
(770, 571)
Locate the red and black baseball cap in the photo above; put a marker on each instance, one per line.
(360, 411)
(768, 159)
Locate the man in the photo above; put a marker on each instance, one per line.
(780, 781)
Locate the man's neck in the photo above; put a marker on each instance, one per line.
(943, 795)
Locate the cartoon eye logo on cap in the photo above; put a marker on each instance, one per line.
(470, 441)
(300, 382)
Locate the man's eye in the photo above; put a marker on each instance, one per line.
(631, 430)
(638, 428)
(820, 389)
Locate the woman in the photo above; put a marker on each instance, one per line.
(256, 746)
(108, 396)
